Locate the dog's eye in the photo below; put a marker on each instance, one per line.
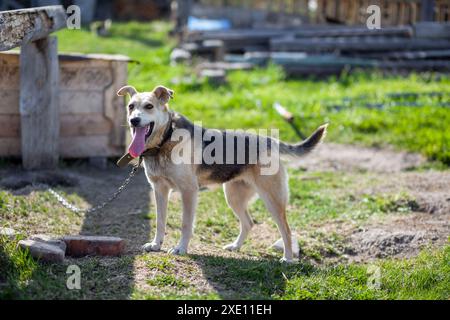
(148, 106)
(131, 107)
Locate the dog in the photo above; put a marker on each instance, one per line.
(153, 128)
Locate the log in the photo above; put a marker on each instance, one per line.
(18, 27)
(39, 103)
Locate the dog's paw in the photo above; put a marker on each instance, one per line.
(177, 250)
(287, 261)
(232, 247)
(151, 246)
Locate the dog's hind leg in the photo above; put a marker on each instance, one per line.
(273, 190)
(238, 195)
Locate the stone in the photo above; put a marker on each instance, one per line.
(79, 246)
(49, 240)
(43, 251)
(8, 233)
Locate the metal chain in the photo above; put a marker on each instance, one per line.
(63, 201)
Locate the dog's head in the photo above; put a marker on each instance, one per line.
(147, 115)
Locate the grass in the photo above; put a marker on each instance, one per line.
(350, 104)
(424, 277)
(319, 200)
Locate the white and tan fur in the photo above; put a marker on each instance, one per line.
(240, 186)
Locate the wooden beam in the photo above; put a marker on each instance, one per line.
(363, 44)
(18, 27)
(39, 104)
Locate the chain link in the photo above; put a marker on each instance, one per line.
(63, 201)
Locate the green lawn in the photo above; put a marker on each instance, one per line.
(246, 102)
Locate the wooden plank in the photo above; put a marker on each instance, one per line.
(432, 30)
(81, 101)
(71, 101)
(9, 102)
(417, 65)
(9, 126)
(70, 147)
(10, 147)
(18, 27)
(84, 125)
(91, 146)
(70, 125)
(402, 31)
(410, 55)
(357, 44)
(39, 103)
(225, 66)
(237, 39)
(76, 78)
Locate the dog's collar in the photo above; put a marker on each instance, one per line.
(127, 158)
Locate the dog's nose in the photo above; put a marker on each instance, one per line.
(135, 122)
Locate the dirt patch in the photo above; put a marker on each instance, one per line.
(399, 236)
(406, 234)
(338, 157)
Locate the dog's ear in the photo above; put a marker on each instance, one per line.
(163, 94)
(130, 90)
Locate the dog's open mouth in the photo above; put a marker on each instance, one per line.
(140, 136)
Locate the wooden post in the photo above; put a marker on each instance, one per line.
(184, 8)
(39, 104)
(427, 10)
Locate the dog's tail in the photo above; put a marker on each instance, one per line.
(304, 147)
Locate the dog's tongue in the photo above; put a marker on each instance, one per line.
(137, 146)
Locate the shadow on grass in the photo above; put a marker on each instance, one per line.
(101, 277)
(152, 43)
(235, 278)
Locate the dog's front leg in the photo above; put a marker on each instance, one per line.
(189, 199)
(161, 197)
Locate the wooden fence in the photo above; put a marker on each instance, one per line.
(349, 12)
